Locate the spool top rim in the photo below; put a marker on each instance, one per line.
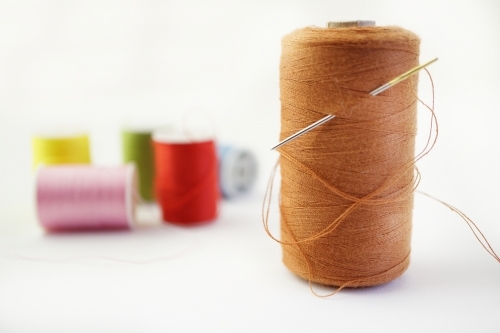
(347, 24)
(173, 135)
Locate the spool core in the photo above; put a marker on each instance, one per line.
(347, 24)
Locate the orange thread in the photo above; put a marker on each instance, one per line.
(481, 238)
(347, 187)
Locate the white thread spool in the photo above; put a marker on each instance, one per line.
(237, 170)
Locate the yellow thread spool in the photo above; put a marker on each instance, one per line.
(66, 149)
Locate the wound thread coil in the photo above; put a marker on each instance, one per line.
(347, 186)
(186, 180)
(137, 147)
(237, 170)
(62, 149)
(79, 197)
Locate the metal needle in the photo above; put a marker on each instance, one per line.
(375, 92)
(401, 78)
(304, 130)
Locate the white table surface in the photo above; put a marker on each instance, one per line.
(228, 277)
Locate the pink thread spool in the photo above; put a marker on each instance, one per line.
(82, 197)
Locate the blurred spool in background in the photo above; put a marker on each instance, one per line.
(72, 198)
(186, 182)
(60, 149)
(237, 170)
(137, 147)
(237, 166)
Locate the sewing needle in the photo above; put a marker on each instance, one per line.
(375, 92)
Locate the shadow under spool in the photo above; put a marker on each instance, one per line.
(347, 186)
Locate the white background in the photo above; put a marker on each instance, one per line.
(97, 65)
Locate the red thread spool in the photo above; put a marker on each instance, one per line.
(186, 182)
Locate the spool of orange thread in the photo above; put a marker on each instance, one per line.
(347, 186)
(186, 183)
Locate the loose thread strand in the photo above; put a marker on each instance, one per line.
(473, 227)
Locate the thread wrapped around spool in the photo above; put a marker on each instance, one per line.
(237, 170)
(347, 186)
(137, 147)
(61, 149)
(79, 197)
(186, 181)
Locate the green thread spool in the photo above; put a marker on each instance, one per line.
(137, 148)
